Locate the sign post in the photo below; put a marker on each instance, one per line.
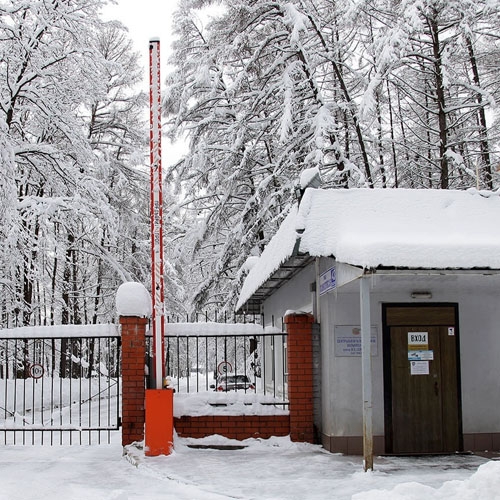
(156, 212)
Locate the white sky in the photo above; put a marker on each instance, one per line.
(146, 19)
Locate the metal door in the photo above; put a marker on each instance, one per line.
(422, 407)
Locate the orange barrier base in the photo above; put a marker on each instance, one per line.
(159, 439)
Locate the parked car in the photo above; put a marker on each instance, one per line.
(227, 383)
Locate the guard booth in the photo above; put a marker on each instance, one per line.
(429, 263)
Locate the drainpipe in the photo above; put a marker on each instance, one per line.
(366, 372)
(317, 298)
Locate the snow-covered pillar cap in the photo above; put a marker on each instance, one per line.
(132, 299)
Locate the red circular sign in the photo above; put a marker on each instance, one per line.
(36, 371)
(224, 367)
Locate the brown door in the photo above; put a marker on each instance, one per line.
(421, 379)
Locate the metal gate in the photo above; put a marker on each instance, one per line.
(59, 390)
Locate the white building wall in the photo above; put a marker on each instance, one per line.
(342, 391)
(479, 330)
(479, 316)
(294, 295)
(478, 300)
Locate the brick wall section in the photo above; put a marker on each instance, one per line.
(233, 426)
(300, 376)
(316, 346)
(133, 331)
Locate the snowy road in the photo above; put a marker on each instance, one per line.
(271, 469)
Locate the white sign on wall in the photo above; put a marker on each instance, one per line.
(348, 341)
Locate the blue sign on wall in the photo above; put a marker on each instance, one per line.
(327, 281)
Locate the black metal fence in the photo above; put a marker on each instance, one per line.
(63, 390)
(208, 356)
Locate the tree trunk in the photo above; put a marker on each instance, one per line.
(481, 117)
(380, 143)
(393, 145)
(440, 100)
(347, 97)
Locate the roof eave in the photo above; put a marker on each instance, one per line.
(278, 278)
(299, 261)
(392, 270)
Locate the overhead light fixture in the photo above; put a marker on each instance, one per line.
(421, 295)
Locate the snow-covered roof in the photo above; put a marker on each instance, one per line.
(373, 228)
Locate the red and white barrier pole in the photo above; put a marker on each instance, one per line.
(159, 421)
(156, 212)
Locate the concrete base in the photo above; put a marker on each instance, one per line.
(486, 441)
(353, 445)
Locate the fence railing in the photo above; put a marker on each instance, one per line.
(226, 358)
(59, 390)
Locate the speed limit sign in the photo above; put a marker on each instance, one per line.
(36, 371)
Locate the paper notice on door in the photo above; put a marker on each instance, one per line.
(420, 355)
(419, 367)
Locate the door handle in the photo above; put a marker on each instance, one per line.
(436, 389)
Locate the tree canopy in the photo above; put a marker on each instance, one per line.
(73, 202)
(374, 93)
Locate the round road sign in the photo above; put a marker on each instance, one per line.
(36, 371)
(224, 367)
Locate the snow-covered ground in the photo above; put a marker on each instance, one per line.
(265, 469)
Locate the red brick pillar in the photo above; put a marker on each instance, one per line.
(133, 383)
(300, 376)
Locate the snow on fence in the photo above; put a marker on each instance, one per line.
(60, 331)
